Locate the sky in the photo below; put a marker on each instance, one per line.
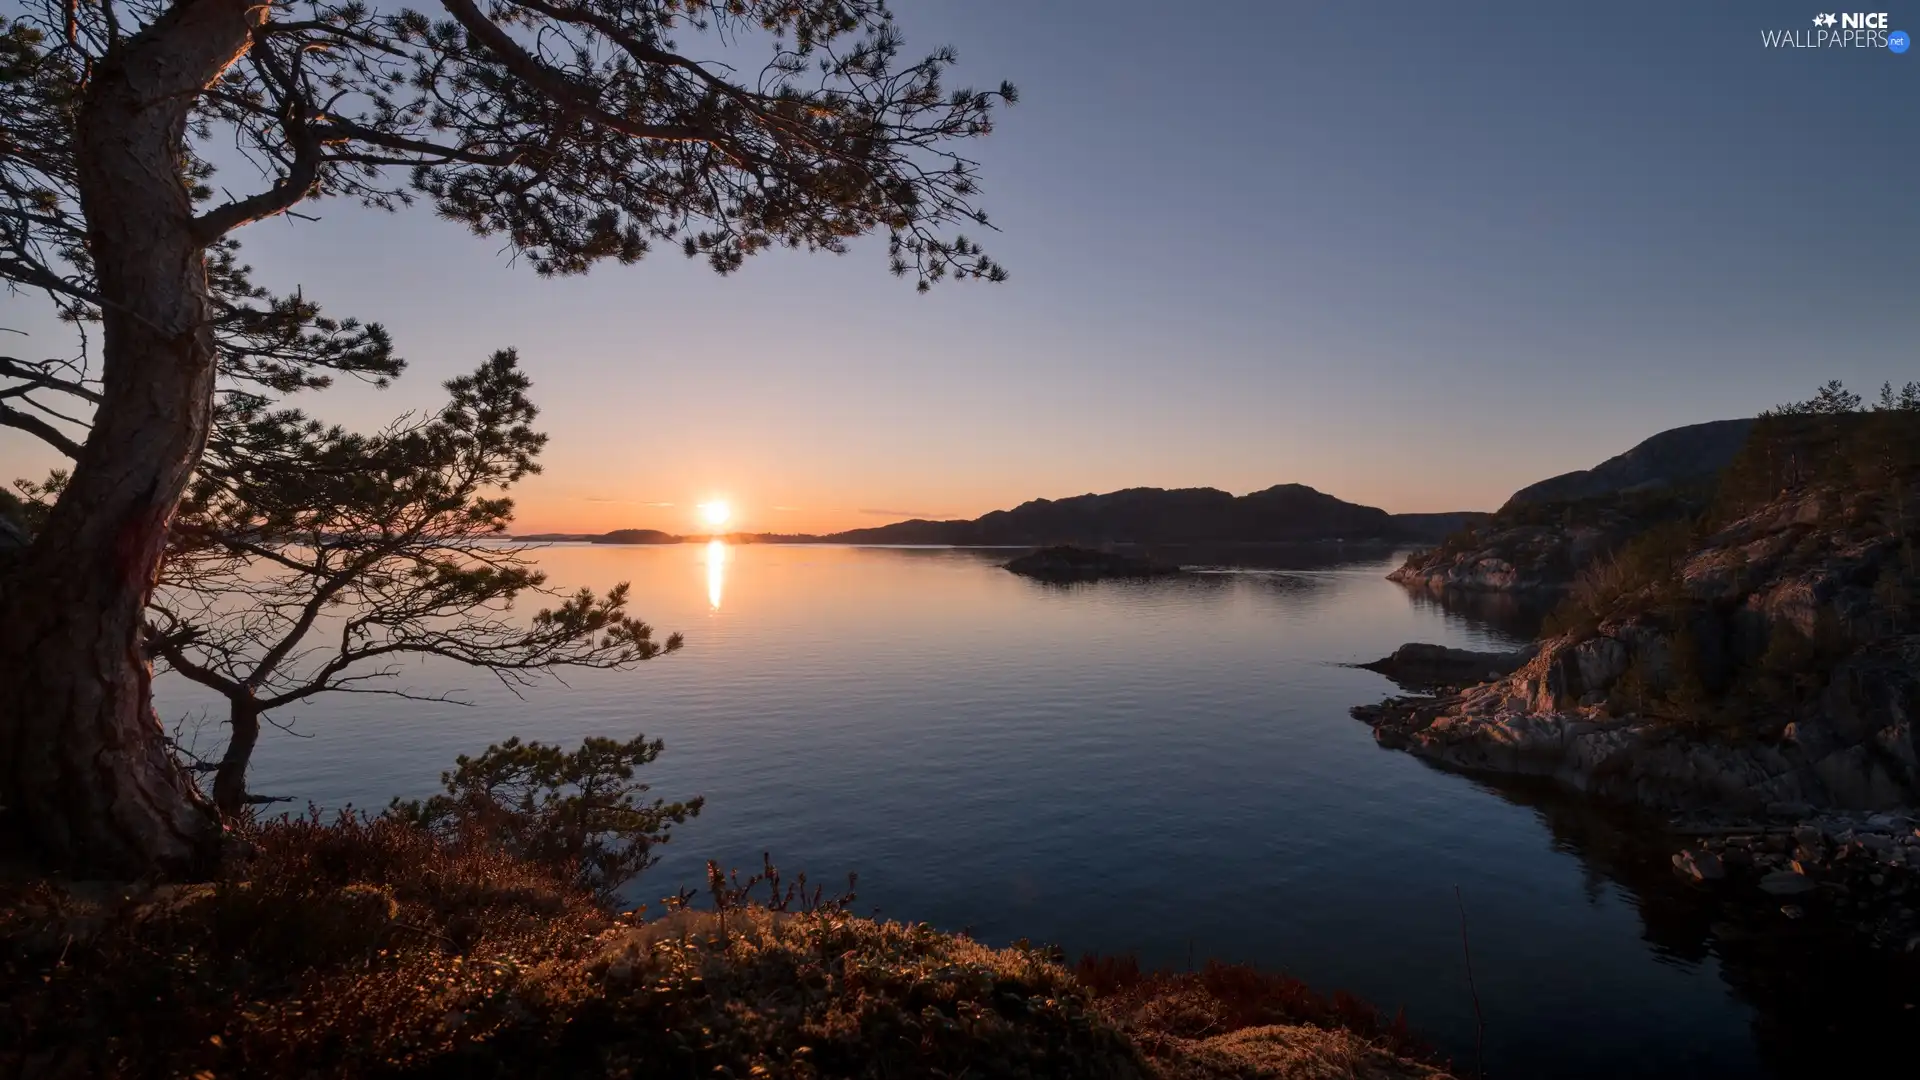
(1415, 255)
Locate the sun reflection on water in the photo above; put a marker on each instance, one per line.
(717, 555)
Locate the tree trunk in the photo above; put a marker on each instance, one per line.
(86, 779)
(230, 779)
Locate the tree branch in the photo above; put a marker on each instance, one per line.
(561, 88)
(35, 375)
(169, 648)
(301, 175)
(40, 429)
(339, 131)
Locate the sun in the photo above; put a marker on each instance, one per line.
(715, 513)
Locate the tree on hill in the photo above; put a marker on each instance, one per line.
(577, 130)
(1835, 436)
(1832, 399)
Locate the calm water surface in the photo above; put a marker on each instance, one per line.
(1166, 768)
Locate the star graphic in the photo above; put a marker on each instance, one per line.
(1830, 20)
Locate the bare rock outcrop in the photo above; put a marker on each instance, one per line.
(1540, 548)
(1854, 747)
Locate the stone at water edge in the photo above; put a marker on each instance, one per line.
(1787, 883)
(1699, 865)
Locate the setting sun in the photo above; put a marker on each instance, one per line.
(715, 513)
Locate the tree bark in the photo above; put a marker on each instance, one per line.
(230, 779)
(86, 779)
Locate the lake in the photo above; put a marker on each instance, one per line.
(1163, 767)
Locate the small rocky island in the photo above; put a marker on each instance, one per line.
(637, 536)
(1416, 665)
(1067, 563)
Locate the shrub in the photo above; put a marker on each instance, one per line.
(1646, 567)
(1788, 668)
(580, 812)
(1896, 591)
(351, 946)
(1686, 699)
(1634, 691)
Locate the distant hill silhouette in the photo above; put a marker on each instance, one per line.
(1436, 526)
(1285, 513)
(1675, 458)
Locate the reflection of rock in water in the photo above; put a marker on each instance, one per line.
(1824, 1005)
(1515, 615)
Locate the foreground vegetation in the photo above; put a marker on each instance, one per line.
(373, 946)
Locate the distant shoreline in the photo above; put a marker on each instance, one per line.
(1282, 515)
(828, 541)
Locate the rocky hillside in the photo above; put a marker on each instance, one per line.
(1548, 531)
(1539, 547)
(1767, 652)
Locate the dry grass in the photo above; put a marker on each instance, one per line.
(350, 947)
(1233, 1020)
(1285, 1052)
(369, 948)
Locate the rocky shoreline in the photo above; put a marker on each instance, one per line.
(1856, 870)
(1735, 650)
(1828, 835)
